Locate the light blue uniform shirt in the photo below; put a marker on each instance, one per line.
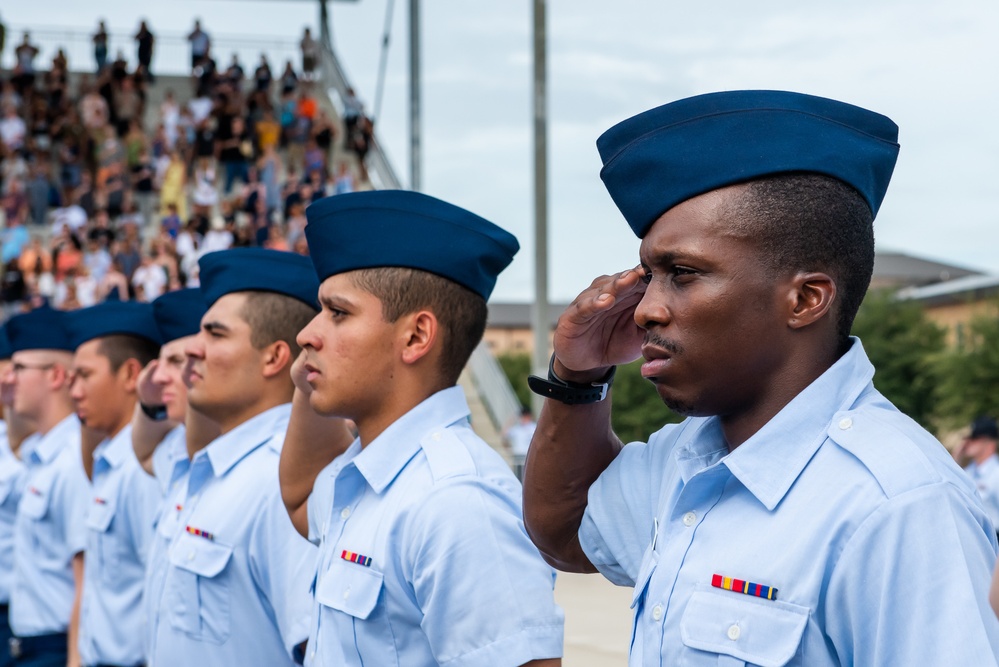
(236, 588)
(120, 528)
(170, 465)
(50, 530)
(879, 549)
(171, 450)
(444, 572)
(986, 478)
(12, 472)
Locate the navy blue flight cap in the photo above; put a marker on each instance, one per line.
(41, 329)
(112, 318)
(667, 155)
(399, 228)
(178, 314)
(258, 270)
(6, 351)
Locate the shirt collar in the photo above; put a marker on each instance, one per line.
(226, 450)
(114, 451)
(768, 462)
(48, 446)
(385, 456)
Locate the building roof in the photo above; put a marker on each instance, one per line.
(901, 270)
(518, 315)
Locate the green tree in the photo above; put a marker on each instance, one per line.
(903, 345)
(969, 376)
(517, 366)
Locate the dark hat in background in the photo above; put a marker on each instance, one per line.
(6, 351)
(984, 427)
(398, 228)
(178, 314)
(258, 270)
(40, 329)
(111, 318)
(665, 156)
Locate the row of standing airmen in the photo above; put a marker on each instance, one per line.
(144, 522)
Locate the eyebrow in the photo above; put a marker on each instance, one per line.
(335, 302)
(214, 326)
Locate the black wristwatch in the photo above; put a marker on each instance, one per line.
(157, 413)
(571, 393)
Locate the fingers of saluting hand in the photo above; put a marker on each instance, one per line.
(608, 295)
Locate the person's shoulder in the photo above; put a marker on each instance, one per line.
(898, 453)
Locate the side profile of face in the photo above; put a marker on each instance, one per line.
(169, 376)
(7, 384)
(33, 376)
(711, 311)
(104, 398)
(224, 370)
(349, 351)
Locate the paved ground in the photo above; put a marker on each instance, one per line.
(597, 620)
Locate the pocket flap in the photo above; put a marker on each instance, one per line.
(34, 502)
(99, 515)
(350, 588)
(199, 555)
(761, 632)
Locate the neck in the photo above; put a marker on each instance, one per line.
(986, 454)
(390, 411)
(781, 388)
(55, 412)
(199, 430)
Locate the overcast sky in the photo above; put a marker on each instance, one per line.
(930, 66)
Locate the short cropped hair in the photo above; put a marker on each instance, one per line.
(810, 222)
(273, 317)
(119, 348)
(461, 312)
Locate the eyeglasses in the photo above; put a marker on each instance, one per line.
(19, 368)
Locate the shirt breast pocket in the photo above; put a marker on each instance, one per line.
(102, 545)
(348, 595)
(731, 630)
(199, 588)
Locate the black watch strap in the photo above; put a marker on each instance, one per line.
(157, 413)
(570, 393)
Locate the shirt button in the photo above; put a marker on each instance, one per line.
(657, 612)
(346, 594)
(345, 512)
(845, 424)
(190, 555)
(689, 519)
(734, 632)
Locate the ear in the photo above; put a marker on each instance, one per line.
(419, 335)
(810, 298)
(276, 358)
(129, 374)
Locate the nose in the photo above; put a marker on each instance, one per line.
(195, 347)
(308, 337)
(652, 310)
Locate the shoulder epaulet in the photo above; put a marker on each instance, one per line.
(896, 456)
(446, 454)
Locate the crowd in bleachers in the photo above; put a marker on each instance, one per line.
(101, 191)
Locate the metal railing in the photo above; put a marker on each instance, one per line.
(493, 386)
(335, 83)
